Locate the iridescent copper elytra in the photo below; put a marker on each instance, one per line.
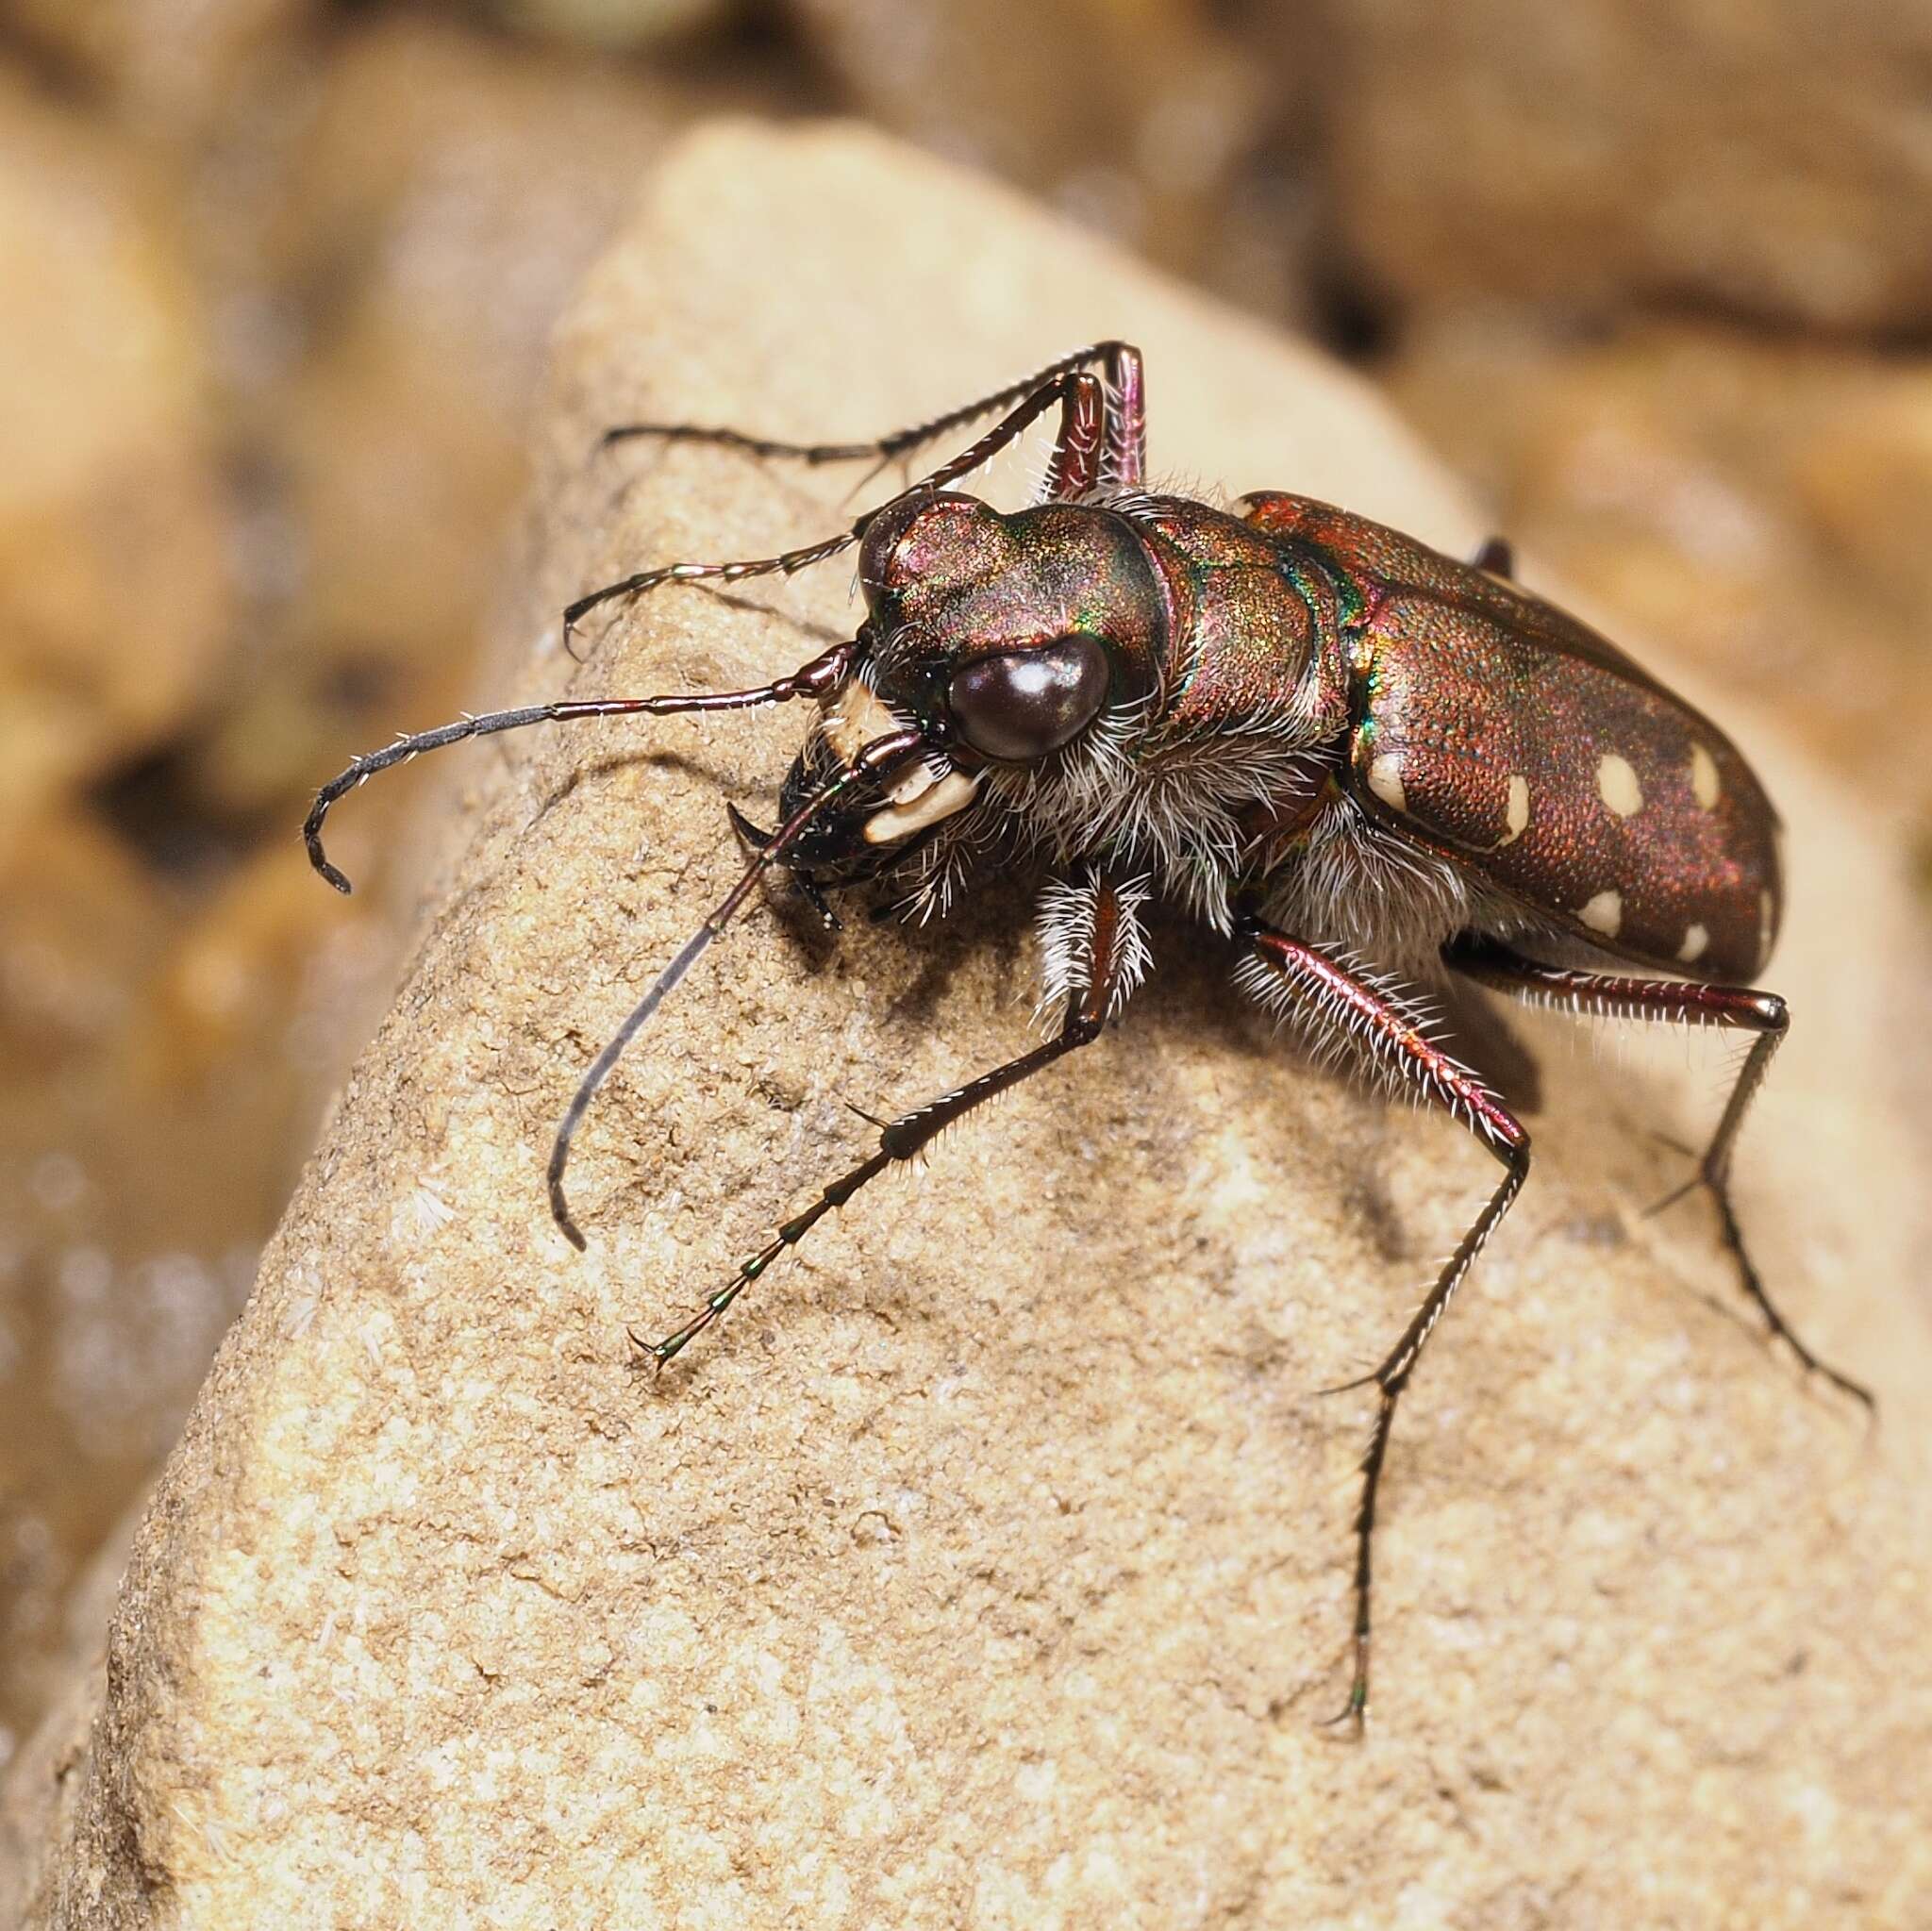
(1363, 763)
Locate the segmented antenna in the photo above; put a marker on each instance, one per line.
(823, 674)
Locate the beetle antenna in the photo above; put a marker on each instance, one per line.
(823, 674)
(877, 757)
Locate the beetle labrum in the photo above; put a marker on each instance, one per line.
(1361, 762)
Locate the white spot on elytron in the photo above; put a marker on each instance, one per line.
(1706, 786)
(1617, 781)
(1385, 781)
(1695, 939)
(1767, 924)
(1604, 913)
(952, 793)
(1516, 813)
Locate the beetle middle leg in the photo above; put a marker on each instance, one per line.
(1677, 1002)
(1102, 437)
(1108, 945)
(1336, 1003)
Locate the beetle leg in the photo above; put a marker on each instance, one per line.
(1109, 945)
(755, 839)
(1126, 421)
(1102, 437)
(1073, 468)
(1677, 1002)
(1496, 555)
(1336, 1004)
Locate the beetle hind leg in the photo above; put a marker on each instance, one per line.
(1682, 1003)
(1388, 1037)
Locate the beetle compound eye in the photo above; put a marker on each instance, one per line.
(1022, 704)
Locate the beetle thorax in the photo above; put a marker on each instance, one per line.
(1220, 694)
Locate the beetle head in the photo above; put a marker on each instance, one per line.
(1004, 639)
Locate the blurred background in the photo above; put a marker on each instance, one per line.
(275, 278)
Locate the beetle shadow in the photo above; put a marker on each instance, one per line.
(717, 776)
(1192, 989)
(1477, 1030)
(994, 927)
(758, 606)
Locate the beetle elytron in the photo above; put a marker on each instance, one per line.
(1363, 762)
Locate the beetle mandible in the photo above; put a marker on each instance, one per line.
(1365, 764)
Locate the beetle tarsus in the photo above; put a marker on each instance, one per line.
(1677, 1002)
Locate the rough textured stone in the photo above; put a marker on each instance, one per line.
(167, 68)
(265, 396)
(991, 1567)
(619, 26)
(1764, 159)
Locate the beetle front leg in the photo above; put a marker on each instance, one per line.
(1102, 437)
(1390, 1040)
(1126, 438)
(1110, 947)
(1677, 1002)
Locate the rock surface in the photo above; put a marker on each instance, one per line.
(992, 1566)
(169, 69)
(266, 400)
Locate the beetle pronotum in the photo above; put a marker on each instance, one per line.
(1365, 764)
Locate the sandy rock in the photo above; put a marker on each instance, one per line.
(383, 233)
(991, 1567)
(1767, 159)
(166, 1058)
(83, 932)
(155, 1102)
(618, 26)
(113, 591)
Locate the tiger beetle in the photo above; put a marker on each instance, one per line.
(1365, 764)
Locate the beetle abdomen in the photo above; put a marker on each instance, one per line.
(1494, 727)
(1584, 791)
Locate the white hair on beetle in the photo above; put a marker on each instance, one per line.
(1339, 1037)
(1068, 918)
